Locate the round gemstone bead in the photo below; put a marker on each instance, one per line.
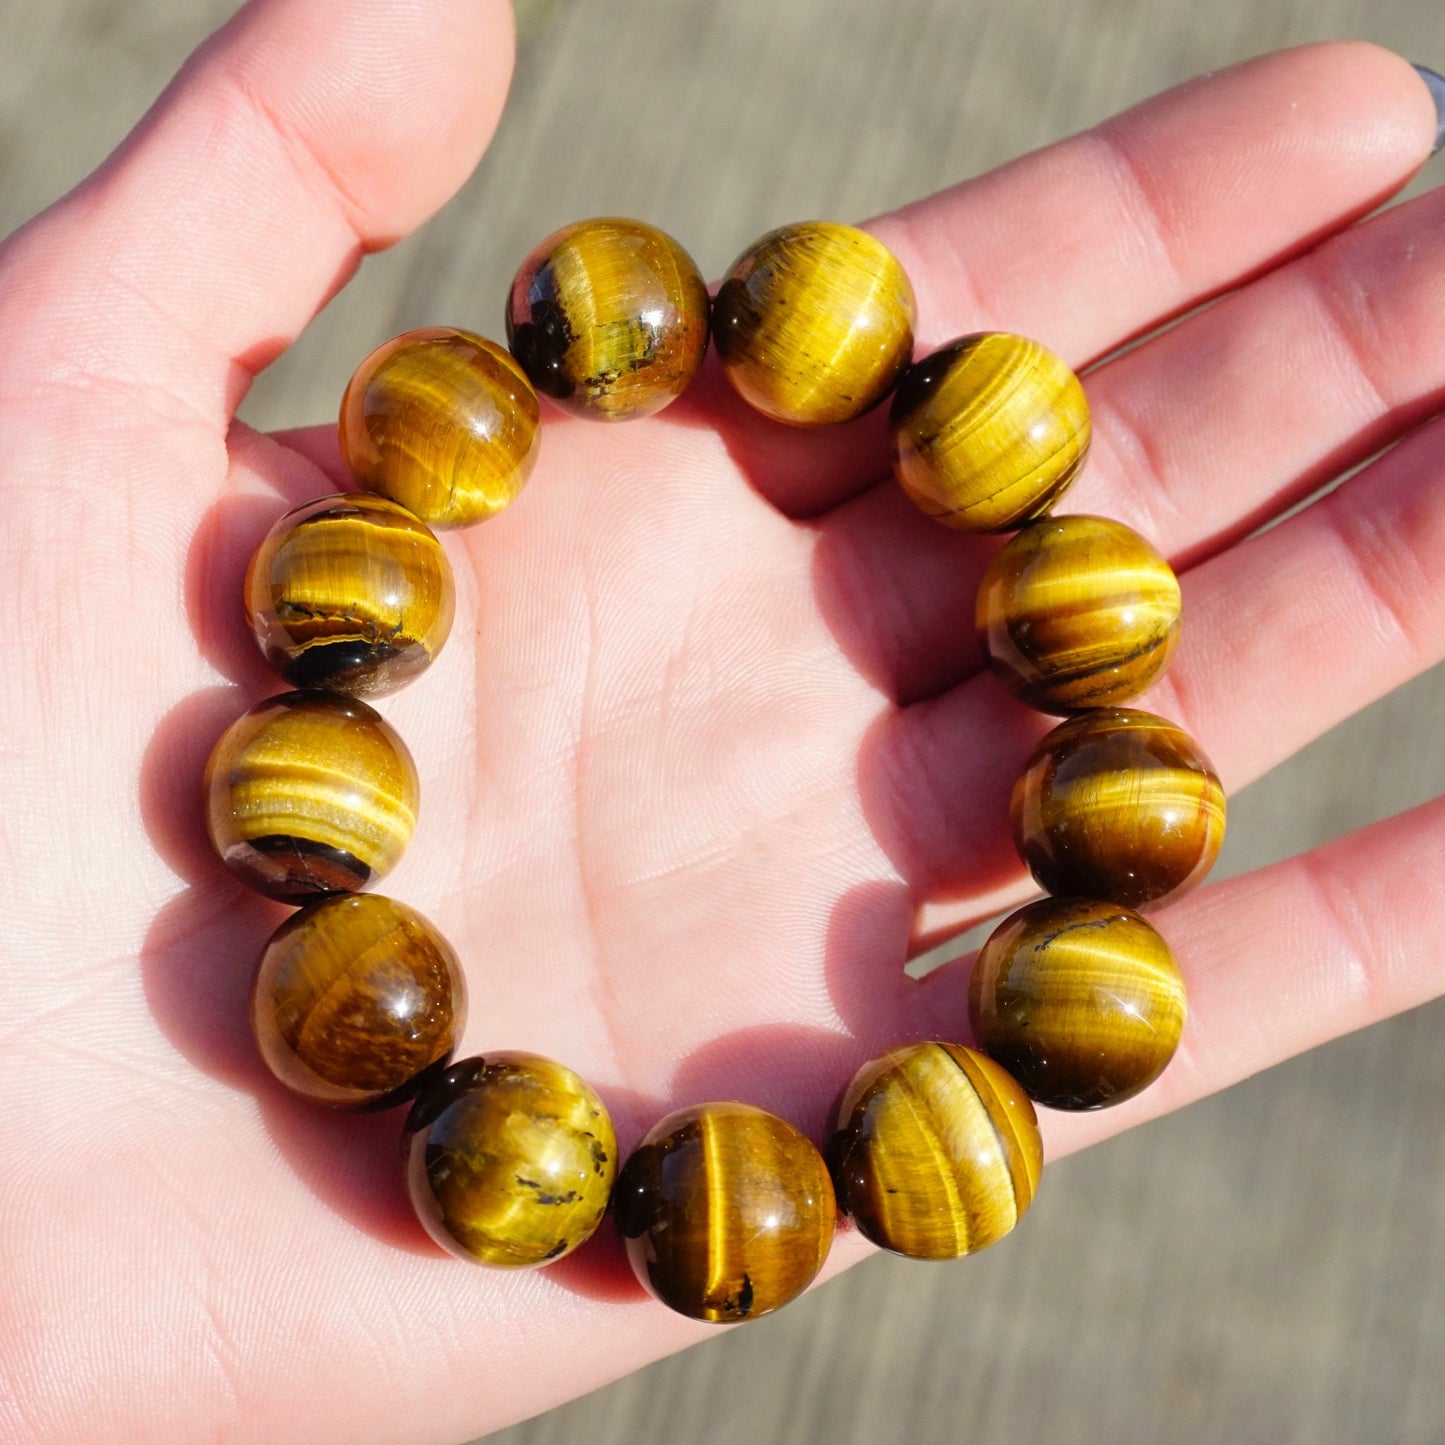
(443, 422)
(608, 318)
(1077, 612)
(726, 1211)
(937, 1151)
(814, 323)
(509, 1160)
(310, 793)
(1118, 805)
(1080, 1001)
(350, 592)
(357, 1001)
(989, 431)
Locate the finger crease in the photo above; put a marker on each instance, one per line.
(933, 251)
(1142, 471)
(1142, 207)
(1344, 305)
(307, 160)
(1342, 912)
(1374, 554)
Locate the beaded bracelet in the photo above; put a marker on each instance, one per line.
(727, 1212)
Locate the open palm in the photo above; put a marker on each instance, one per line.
(708, 735)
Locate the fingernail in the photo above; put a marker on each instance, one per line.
(1436, 84)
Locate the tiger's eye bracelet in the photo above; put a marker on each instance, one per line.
(727, 1212)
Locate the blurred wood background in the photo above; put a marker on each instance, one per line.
(1266, 1266)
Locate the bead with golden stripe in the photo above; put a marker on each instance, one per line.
(350, 592)
(608, 318)
(509, 1160)
(1077, 612)
(1120, 805)
(1080, 1001)
(310, 793)
(989, 431)
(442, 421)
(814, 323)
(357, 1001)
(937, 1152)
(726, 1211)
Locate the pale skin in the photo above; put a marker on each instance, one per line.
(708, 740)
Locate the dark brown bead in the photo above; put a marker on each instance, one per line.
(509, 1160)
(609, 318)
(1118, 805)
(727, 1212)
(310, 793)
(357, 1001)
(350, 592)
(937, 1152)
(443, 422)
(1080, 1001)
(989, 431)
(1077, 612)
(814, 323)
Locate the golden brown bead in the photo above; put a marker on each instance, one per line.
(509, 1160)
(1118, 805)
(727, 1212)
(1080, 1001)
(609, 318)
(357, 1001)
(443, 422)
(310, 793)
(937, 1152)
(1077, 612)
(814, 323)
(989, 431)
(350, 592)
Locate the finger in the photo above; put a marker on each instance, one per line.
(1106, 234)
(1200, 433)
(305, 133)
(1301, 626)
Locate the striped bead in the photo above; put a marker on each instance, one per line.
(350, 592)
(937, 1152)
(989, 431)
(608, 318)
(1118, 805)
(509, 1160)
(310, 793)
(357, 1001)
(814, 323)
(1077, 612)
(1080, 1001)
(443, 422)
(726, 1211)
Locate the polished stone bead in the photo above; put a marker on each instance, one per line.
(1118, 805)
(509, 1160)
(937, 1151)
(444, 423)
(814, 323)
(310, 793)
(350, 592)
(989, 431)
(608, 318)
(726, 1211)
(357, 1001)
(1077, 612)
(1080, 1001)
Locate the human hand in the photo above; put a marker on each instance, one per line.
(688, 762)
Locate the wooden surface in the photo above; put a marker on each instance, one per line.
(1267, 1266)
